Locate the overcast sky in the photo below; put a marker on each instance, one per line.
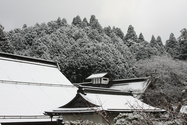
(150, 17)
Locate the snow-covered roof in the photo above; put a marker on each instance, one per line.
(29, 86)
(20, 71)
(106, 102)
(26, 119)
(98, 75)
(23, 100)
(118, 102)
(137, 86)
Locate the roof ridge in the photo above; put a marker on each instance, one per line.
(27, 58)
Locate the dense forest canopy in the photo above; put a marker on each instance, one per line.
(85, 47)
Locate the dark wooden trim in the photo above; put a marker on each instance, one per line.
(129, 80)
(26, 58)
(74, 101)
(100, 90)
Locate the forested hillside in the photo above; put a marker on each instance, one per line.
(85, 47)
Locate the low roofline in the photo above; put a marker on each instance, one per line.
(38, 116)
(137, 110)
(99, 90)
(26, 58)
(120, 80)
(99, 109)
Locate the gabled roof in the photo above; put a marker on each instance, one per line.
(106, 102)
(135, 85)
(78, 102)
(119, 103)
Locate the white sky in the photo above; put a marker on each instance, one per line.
(151, 17)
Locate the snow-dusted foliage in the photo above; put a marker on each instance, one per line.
(133, 119)
(140, 118)
(84, 47)
(81, 48)
(81, 122)
(168, 81)
(172, 46)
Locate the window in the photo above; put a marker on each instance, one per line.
(104, 79)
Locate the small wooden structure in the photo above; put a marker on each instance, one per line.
(104, 80)
(100, 78)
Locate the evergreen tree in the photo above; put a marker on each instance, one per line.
(59, 22)
(153, 42)
(85, 23)
(39, 50)
(5, 45)
(118, 32)
(131, 34)
(37, 25)
(64, 21)
(108, 31)
(92, 34)
(2, 36)
(183, 44)
(24, 26)
(183, 35)
(29, 37)
(143, 50)
(77, 21)
(154, 45)
(18, 42)
(130, 37)
(160, 46)
(141, 37)
(172, 46)
(95, 24)
(157, 44)
(159, 41)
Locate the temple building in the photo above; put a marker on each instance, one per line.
(103, 98)
(35, 92)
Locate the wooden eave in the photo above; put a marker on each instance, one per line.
(108, 91)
